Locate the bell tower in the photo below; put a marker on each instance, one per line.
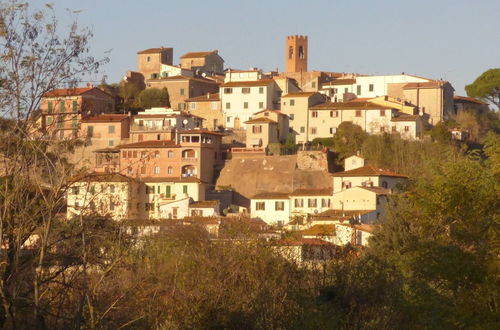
(296, 53)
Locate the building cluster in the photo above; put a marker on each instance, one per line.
(163, 164)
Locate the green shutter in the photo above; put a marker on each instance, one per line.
(75, 106)
(167, 191)
(185, 189)
(49, 104)
(74, 121)
(49, 120)
(61, 104)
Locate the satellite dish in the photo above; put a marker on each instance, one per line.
(203, 74)
(185, 121)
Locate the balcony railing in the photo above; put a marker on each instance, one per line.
(144, 128)
(189, 159)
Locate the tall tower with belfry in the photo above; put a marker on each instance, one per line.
(296, 53)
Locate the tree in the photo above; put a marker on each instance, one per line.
(486, 87)
(348, 140)
(129, 92)
(154, 97)
(35, 57)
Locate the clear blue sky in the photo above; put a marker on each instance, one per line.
(451, 39)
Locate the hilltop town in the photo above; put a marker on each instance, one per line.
(216, 149)
(194, 195)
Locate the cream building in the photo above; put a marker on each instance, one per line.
(296, 106)
(265, 127)
(361, 199)
(273, 208)
(310, 201)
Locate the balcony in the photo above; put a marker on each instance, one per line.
(189, 159)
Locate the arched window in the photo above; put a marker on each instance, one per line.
(301, 52)
(290, 52)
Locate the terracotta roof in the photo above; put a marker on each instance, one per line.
(368, 170)
(403, 117)
(363, 227)
(304, 241)
(104, 118)
(312, 192)
(107, 150)
(299, 94)
(341, 213)
(204, 98)
(260, 120)
(341, 82)
(427, 84)
(468, 99)
(199, 131)
(198, 54)
(270, 195)
(320, 230)
(201, 220)
(102, 177)
(152, 50)
(180, 77)
(360, 104)
(261, 82)
(150, 144)
(204, 204)
(377, 190)
(171, 179)
(68, 91)
(273, 111)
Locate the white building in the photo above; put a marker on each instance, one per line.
(273, 208)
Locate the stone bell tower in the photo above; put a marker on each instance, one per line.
(296, 53)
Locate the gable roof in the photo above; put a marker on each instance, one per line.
(273, 111)
(312, 192)
(152, 50)
(150, 144)
(405, 117)
(68, 91)
(340, 82)
(360, 104)
(320, 230)
(204, 98)
(427, 84)
(271, 195)
(368, 170)
(262, 120)
(198, 54)
(300, 94)
(458, 98)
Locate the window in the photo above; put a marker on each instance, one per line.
(260, 206)
(301, 52)
(302, 129)
(74, 121)
(111, 143)
(228, 90)
(333, 130)
(144, 154)
(213, 105)
(314, 114)
(382, 113)
(358, 113)
(291, 116)
(346, 185)
(170, 170)
(228, 119)
(157, 170)
(170, 154)
(111, 129)
(148, 59)
(314, 130)
(313, 84)
(334, 114)
(261, 90)
(290, 52)
(157, 154)
(299, 202)
(75, 190)
(346, 90)
(50, 120)
(370, 87)
(124, 154)
(407, 128)
(49, 105)
(256, 129)
(311, 202)
(228, 105)
(111, 206)
(75, 106)
(245, 90)
(112, 188)
(245, 105)
(167, 191)
(132, 154)
(358, 90)
(62, 106)
(185, 189)
(325, 202)
(164, 74)
(193, 106)
(261, 105)
(181, 91)
(292, 102)
(279, 206)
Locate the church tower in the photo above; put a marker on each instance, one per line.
(296, 53)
